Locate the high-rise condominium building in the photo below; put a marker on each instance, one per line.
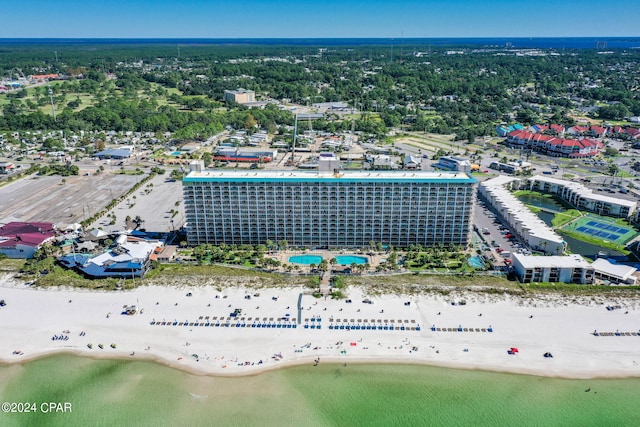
(323, 209)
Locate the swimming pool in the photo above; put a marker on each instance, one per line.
(351, 259)
(476, 262)
(305, 259)
(176, 153)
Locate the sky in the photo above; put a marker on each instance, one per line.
(317, 19)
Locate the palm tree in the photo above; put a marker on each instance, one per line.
(354, 267)
(269, 244)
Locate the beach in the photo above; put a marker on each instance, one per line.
(456, 329)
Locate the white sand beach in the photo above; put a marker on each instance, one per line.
(32, 318)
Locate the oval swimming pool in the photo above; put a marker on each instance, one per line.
(351, 259)
(305, 259)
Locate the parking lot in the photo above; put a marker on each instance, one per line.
(153, 204)
(49, 199)
(497, 236)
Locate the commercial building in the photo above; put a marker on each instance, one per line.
(504, 130)
(412, 162)
(566, 269)
(452, 163)
(512, 167)
(6, 167)
(323, 209)
(129, 258)
(581, 197)
(114, 153)
(540, 237)
(240, 96)
(231, 154)
(23, 239)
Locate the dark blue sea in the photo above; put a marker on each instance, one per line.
(498, 42)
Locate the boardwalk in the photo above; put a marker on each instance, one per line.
(325, 283)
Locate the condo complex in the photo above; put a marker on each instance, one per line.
(328, 209)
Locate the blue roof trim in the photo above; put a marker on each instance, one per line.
(468, 180)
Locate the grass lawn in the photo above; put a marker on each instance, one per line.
(172, 90)
(563, 218)
(624, 174)
(59, 276)
(12, 265)
(354, 165)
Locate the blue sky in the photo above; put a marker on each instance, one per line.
(326, 18)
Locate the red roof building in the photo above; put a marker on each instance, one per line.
(45, 76)
(555, 146)
(578, 130)
(558, 129)
(22, 239)
(633, 132)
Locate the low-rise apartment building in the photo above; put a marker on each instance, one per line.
(566, 269)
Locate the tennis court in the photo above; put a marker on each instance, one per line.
(598, 233)
(593, 225)
(607, 227)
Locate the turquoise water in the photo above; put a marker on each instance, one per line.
(476, 262)
(176, 153)
(305, 259)
(126, 393)
(351, 259)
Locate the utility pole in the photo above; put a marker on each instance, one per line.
(53, 110)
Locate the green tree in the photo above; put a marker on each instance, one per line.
(176, 174)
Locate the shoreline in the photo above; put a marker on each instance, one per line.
(561, 326)
(301, 362)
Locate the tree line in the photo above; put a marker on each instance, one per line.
(466, 94)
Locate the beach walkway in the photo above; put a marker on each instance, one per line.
(325, 283)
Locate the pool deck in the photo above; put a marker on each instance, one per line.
(283, 257)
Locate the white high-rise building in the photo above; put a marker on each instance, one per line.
(323, 209)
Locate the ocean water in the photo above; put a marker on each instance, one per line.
(125, 393)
